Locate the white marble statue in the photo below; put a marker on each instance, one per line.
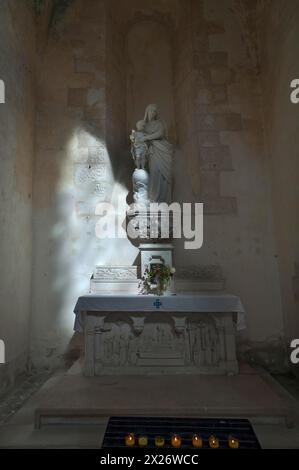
(139, 148)
(159, 154)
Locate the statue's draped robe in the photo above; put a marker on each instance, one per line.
(160, 164)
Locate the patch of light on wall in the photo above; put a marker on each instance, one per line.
(86, 178)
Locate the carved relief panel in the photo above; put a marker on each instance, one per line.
(132, 342)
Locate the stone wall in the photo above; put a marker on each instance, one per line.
(203, 112)
(150, 60)
(17, 60)
(115, 69)
(78, 165)
(221, 136)
(279, 48)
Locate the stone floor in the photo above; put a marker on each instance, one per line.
(26, 386)
(289, 382)
(61, 432)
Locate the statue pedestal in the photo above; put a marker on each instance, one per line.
(155, 253)
(152, 226)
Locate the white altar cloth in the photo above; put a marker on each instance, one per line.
(205, 303)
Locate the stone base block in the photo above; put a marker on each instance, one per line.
(114, 280)
(155, 253)
(113, 287)
(195, 286)
(121, 343)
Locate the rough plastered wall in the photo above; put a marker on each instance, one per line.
(279, 43)
(77, 166)
(220, 128)
(17, 44)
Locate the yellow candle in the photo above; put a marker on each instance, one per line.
(233, 442)
(130, 440)
(213, 442)
(159, 441)
(143, 441)
(176, 441)
(197, 441)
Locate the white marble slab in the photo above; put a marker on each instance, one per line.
(197, 303)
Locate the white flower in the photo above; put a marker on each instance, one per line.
(172, 270)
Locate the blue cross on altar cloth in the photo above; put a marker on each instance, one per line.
(192, 303)
(157, 303)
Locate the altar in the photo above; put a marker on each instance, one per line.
(146, 318)
(171, 334)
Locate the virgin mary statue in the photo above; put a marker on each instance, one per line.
(160, 153)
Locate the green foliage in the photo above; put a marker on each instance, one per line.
(156, 279)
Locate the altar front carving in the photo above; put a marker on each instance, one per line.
(196, 343)
(166, 341)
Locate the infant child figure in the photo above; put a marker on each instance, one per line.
(139, 148)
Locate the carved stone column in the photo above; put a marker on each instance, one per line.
(89, 332)
(230, 344)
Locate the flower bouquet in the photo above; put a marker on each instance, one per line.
(156, 279)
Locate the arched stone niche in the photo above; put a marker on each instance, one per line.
(139, 71)
(149, 69)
